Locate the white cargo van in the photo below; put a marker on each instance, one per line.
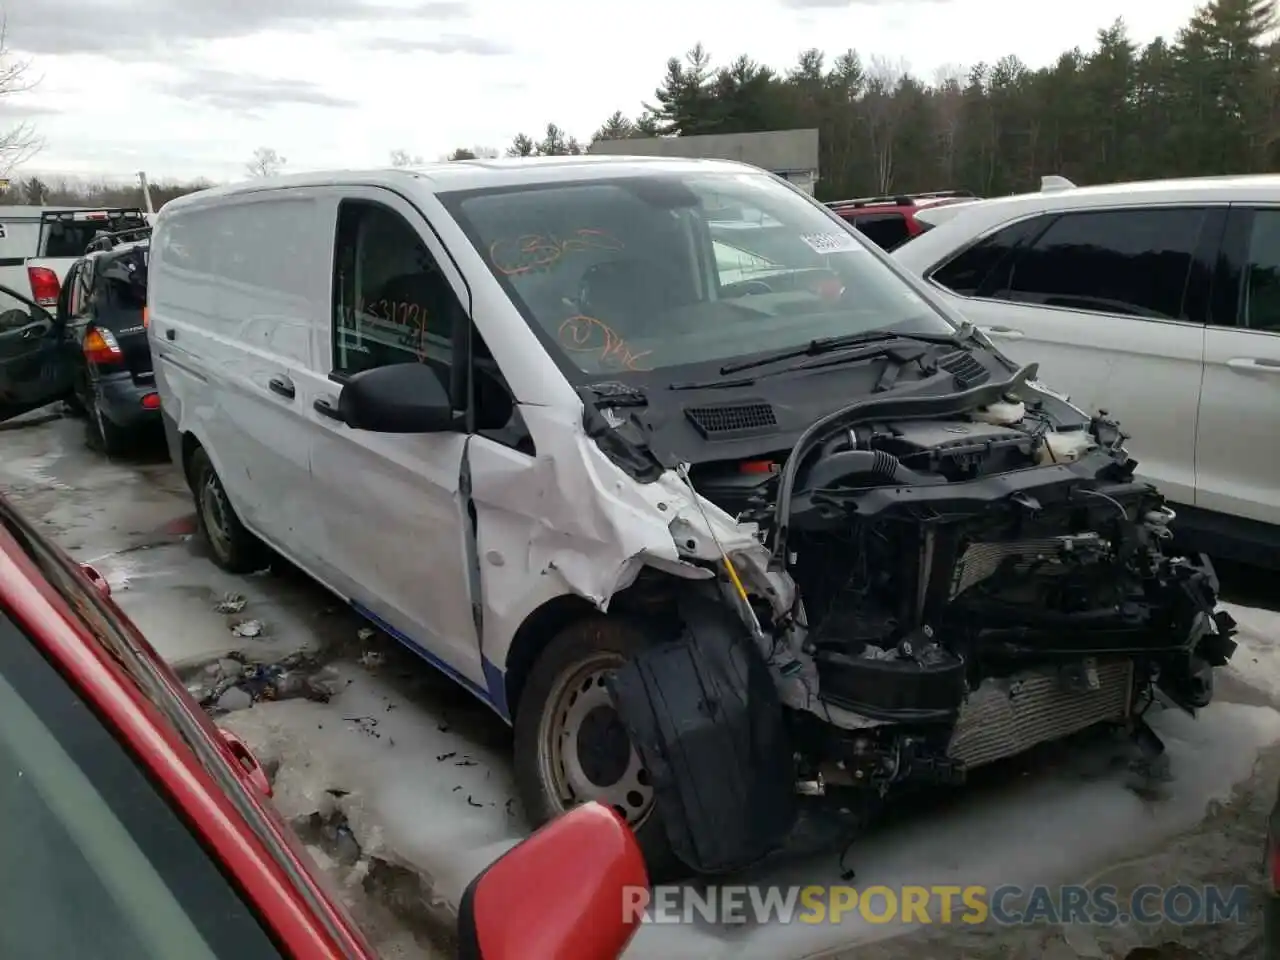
(676, 472)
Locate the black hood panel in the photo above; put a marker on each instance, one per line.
(703, 425)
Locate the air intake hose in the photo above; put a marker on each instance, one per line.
(863, 463)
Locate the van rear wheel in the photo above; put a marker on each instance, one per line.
(231, 546)
(571, 746)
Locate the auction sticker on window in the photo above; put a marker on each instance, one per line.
(830, 242)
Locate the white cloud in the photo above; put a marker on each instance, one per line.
(190, 87)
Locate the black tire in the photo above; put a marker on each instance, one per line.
(231, 546)
(74, 405)
(588, 644)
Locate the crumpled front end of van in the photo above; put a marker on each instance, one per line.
(918, 587)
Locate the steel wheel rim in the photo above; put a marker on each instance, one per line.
(571, 724)
(214, 507)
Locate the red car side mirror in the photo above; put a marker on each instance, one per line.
(559, 895)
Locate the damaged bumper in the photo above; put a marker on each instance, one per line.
(940, 594)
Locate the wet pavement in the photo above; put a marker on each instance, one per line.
(399, 782)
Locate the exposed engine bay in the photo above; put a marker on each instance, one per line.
(973, 576)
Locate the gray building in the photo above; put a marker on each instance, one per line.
(789, 153)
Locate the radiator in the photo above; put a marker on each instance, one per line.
(1008, 716)
(984, 559)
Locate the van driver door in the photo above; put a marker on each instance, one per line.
(392, 517)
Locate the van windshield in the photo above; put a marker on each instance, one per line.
(645, 273)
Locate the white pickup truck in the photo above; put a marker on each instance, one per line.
(38, 245)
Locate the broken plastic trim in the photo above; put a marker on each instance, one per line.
(898, 408)
(704, 715)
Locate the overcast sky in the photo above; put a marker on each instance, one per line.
(185, 88)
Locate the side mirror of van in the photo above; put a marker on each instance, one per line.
(398, 398)
(576, 888)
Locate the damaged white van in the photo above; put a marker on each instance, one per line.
(677, 473)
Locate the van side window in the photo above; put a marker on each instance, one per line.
(391, 303)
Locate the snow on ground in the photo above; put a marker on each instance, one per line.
(420, 772)
(1257, 659)
(428, 797)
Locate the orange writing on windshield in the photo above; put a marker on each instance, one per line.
(516, 256)
(581, 334)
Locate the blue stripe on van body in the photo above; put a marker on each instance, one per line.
(495, 697)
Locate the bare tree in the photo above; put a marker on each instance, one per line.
(20, 142)
(403, 158)
(882, 113)
(266, 162)
(948, 98)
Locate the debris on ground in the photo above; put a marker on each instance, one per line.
(231, 683)
(234, 698)
(248, 628)
(365, 633)
(371, 659)
(231, 603)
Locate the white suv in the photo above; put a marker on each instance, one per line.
(1158, 302)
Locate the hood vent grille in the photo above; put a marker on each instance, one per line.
(722, 421)
(966, 368)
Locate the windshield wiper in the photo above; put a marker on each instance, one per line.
(827, 344)
(900, 352)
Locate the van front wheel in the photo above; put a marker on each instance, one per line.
(570, 744)
(231, 546)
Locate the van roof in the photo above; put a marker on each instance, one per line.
(450, 175)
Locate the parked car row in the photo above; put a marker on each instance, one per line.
(89, 345)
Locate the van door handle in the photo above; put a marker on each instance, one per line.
(327, 409)
(282, 386)
(1254, 364)
(1002, 333)
(171, 334)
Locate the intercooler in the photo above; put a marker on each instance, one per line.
(1008, 716)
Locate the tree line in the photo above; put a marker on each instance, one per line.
(1204, 102)
(66, 191)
